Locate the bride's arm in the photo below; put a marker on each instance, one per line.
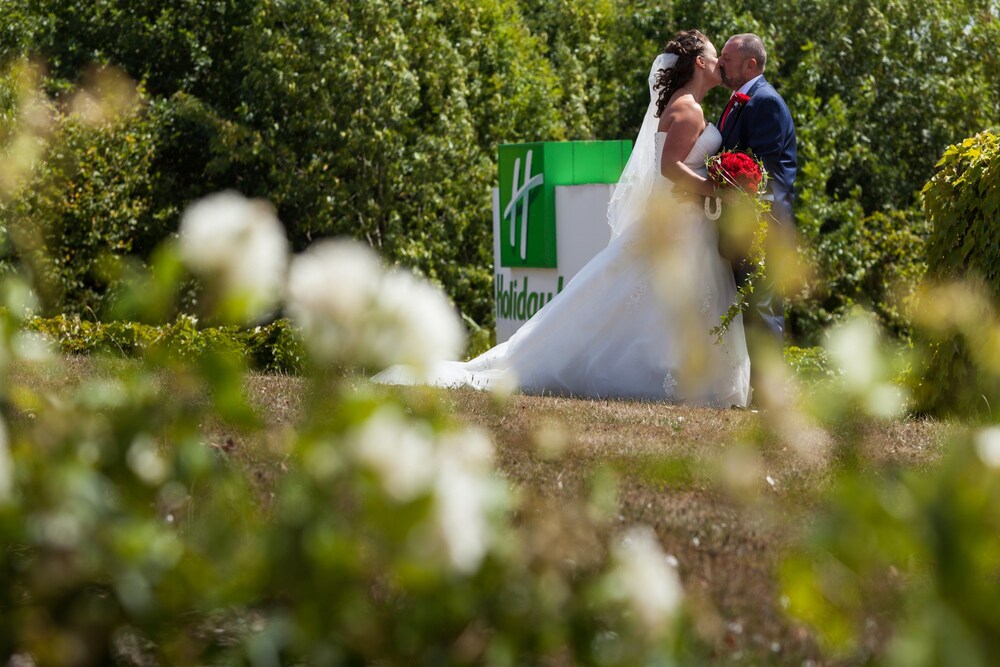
(685, 125)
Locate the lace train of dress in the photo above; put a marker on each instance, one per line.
(621, 329)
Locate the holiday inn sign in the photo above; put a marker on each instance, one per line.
(549, 219)
(529, 174)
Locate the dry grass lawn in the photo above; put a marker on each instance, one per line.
(725, 509)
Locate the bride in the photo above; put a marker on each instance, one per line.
(636, 321)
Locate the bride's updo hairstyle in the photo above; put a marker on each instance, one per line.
(687, 45)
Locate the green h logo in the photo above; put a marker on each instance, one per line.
(520, 199)
(527, 208)
(529, 174)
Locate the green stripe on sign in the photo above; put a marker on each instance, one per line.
(529, 174)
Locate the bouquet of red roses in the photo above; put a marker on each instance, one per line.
(743, 228)
(734, 169)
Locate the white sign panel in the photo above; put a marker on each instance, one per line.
(582, 231)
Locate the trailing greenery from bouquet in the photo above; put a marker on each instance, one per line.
(740, 215)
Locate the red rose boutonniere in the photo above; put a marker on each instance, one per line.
(741, 98)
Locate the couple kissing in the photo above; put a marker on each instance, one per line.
(628, 327)
(755, 120)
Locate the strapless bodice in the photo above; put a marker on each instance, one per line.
(707, 144)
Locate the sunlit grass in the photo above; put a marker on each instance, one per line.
(724, 509)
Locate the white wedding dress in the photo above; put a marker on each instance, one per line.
(633, 323)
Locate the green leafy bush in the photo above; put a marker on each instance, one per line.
(809, 364)
(93, 196)
(913, 552)
(275, 347)
(362, 119)
(963, 201)
(963, 255)
(876, 262)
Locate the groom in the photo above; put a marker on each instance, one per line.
(757, 120)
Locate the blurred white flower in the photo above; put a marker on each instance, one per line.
(644, 579)
(886, 400)
(551, 439)
(740, 468)
(415, 323)
(988, 446)
(60, 529)
(331, 289)
(504, 384)
(466, 496)
(145, 461)
(18, 298)
(32, 346)
(854, 348)
(323, 460)
(471, 448)
(240, 245)
(401, 454)
(460, 517)
(107, 93)
(456, 468)
(6, 466)
(350, 309)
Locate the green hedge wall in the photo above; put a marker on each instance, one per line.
(274, 348)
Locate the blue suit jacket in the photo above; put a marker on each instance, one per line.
(764, 126)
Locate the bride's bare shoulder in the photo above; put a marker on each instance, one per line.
(682, 110)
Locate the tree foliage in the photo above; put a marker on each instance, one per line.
(380, 119)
